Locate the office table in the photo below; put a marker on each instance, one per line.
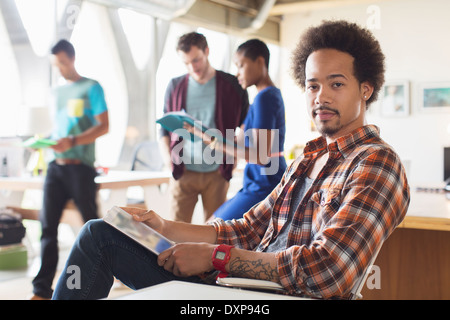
(179, 290)
(113, 189)
(414, 262)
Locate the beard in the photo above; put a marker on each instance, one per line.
(327, 130)
(327, 127)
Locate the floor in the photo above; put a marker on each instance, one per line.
(16, 284)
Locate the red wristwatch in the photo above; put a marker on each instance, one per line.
(220, 258)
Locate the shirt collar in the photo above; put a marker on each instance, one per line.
(345, 144)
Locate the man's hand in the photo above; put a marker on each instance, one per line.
(62, 145)
(187, 259)
(177, 231)
(87, 137)
(149, 217)
(197, 132)
(193, 130)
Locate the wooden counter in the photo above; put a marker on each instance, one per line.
(415, 261)
(428, 210)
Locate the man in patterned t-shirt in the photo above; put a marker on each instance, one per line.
(81, 116)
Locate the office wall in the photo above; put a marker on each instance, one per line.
(413, 35)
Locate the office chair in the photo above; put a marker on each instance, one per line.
(355, 293)
(147, 157)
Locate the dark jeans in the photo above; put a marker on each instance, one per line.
(63, 182)
(101, 253)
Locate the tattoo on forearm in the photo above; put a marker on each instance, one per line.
(255, 269)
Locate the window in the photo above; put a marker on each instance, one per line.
(97, 58)
(38, 18)
(10, 90)
(137, 28)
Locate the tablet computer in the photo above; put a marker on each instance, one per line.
(138, 231)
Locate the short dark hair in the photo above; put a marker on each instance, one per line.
(186, 41)
(255, 48)
(347, 37)
(64, 46)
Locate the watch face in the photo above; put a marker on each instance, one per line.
(220, 255)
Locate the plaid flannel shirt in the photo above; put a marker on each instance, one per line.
(353, 205)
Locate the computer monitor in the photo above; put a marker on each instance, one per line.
(447, 164)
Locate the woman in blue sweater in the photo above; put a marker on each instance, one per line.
(261, 140)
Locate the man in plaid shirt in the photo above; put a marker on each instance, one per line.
(316, 232)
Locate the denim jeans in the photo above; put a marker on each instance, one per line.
(63, 182)
(101, 253)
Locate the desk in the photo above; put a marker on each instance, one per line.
(179, 290)
(115, 184)
(428, 210)
(415, 261)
